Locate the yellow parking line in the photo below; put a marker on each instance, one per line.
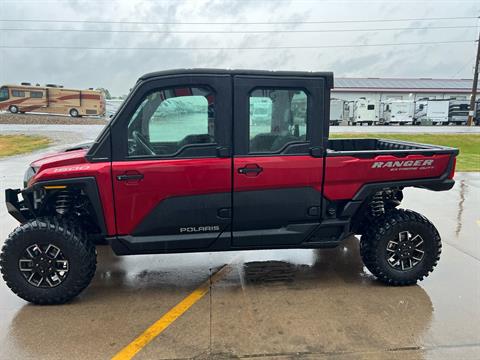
(166, 320)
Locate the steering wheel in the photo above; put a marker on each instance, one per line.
(143, 142)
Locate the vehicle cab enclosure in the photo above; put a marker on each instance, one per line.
(212, 160)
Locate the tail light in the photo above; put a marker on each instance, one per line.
(452, 170)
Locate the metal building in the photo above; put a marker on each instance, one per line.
(380, 89)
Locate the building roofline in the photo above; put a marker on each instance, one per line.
(403, 90)
(394, 78)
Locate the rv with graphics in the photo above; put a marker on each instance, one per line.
(431, 111)
(399, 112)
(458, 112)
(51, 99)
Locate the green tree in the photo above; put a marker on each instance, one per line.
(106, 93)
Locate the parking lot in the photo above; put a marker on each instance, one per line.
(262, 304)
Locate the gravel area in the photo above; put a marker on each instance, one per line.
(8, 118)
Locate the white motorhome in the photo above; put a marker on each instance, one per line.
(366, 111)
(399, 112)
(339, 111)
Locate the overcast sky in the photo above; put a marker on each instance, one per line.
(117, 70)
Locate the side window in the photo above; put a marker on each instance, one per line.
(36, 94)
(277, 117)
(170, 119)
(18, 93)
(3, 94)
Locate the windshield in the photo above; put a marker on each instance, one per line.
(3, 94)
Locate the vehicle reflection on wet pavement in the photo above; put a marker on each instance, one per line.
(278, 304)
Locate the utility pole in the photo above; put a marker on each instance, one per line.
(473, 97)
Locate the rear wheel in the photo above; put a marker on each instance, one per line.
(47, 261)
(13, 109)
(400, 247)
(74, 113)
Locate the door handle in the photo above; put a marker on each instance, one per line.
(126, 177)
(250, 169)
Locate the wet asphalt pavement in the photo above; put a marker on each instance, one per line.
(284, 304)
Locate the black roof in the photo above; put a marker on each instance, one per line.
(328, 75)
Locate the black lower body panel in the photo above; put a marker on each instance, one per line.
(328, 234)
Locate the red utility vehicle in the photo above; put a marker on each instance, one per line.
(184, 166)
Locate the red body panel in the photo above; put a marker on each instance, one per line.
(279, 172)
(60, 159)
(345, 175)
(163, 179)
(135, 199)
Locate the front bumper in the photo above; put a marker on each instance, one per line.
(17, 208)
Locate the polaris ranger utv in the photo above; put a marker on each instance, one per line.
(183, 168)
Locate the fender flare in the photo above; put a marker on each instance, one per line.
(88, 184)
(440, 183)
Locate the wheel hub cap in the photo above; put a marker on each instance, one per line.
(405, 252)
(43, 265)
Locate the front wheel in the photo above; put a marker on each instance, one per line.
(401, 247)
(47, 261)
(13, 109)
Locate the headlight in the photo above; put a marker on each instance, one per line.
(31, 171)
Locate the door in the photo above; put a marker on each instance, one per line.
(172, 164)
(278, 163)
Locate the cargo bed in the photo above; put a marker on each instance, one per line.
(374, 147)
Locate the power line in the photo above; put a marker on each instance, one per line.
(234, 31)
(236, 48)
(237, 22)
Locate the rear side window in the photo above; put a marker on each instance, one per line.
(169, 119)
(277, 117)
(36, 94)
(18, 93)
